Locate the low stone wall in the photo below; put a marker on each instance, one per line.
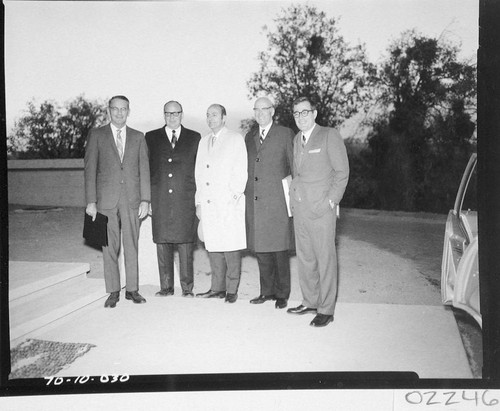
(46, 182)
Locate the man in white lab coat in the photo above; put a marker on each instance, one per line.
(221, 176)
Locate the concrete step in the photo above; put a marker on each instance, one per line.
(26, 277)
(50, 298)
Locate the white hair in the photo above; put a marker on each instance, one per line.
(269, 97)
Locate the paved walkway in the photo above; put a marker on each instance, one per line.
(175, 335)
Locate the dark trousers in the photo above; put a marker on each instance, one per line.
(127, 218)
(165, 253)
(274, 269)
(226, 271)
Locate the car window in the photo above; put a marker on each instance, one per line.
(470, 198)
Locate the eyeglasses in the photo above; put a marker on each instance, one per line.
(261, 110)
(119, 109)
(303, 113)
(173, 113)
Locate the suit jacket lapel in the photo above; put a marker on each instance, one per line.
(256, 139)
(111, 140)
(313, 134)
(165, 140)
(128, 142)
(182, 133)
(268, 135)
(298, 145)
(297, 157)
(211, 149)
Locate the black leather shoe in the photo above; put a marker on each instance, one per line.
(301, 309)
(188, 294)
(165, 292)
(135, 297)
(212, 294)
(321, 320)
(231, 298)
(281, 303)
(112, 299)
(262, 299)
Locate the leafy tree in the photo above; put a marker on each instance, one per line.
(422, 77)
(307, 56)
(247, 125)
(47, 131)
(428, 101)
(35, 131)
(361, 190)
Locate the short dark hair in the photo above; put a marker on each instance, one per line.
(119, 97)
(173, 101)
(302, 100)
(220, 107)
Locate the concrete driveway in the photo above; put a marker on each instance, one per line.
(388, 318)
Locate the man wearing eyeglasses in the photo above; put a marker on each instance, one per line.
(172, 156)
(320, 175)
(117, 184)
(270, 156)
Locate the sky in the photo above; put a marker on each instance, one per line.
(195, 52)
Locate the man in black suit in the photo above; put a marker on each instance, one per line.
(270, 156)
(172, 156)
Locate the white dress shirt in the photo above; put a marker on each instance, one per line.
(307, 134)
(169, 133)
(123, 133)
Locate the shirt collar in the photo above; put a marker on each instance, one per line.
(265, 129)
(216, 135)
(114, 129)
(308, 133)
(169, 132)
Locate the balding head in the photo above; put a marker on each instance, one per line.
(263, 110)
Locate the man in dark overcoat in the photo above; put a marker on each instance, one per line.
(172, 156)
(270, 156)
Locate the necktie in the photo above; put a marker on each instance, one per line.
(303, 140)
(213, 140)
(119, 143)
(262, 136)
(174, 139)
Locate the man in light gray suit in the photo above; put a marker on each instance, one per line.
(320, 175)
(117, 185)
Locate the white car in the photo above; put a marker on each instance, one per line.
(459, 268)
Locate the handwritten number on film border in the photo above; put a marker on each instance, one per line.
(432, 398)
(85, 378)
